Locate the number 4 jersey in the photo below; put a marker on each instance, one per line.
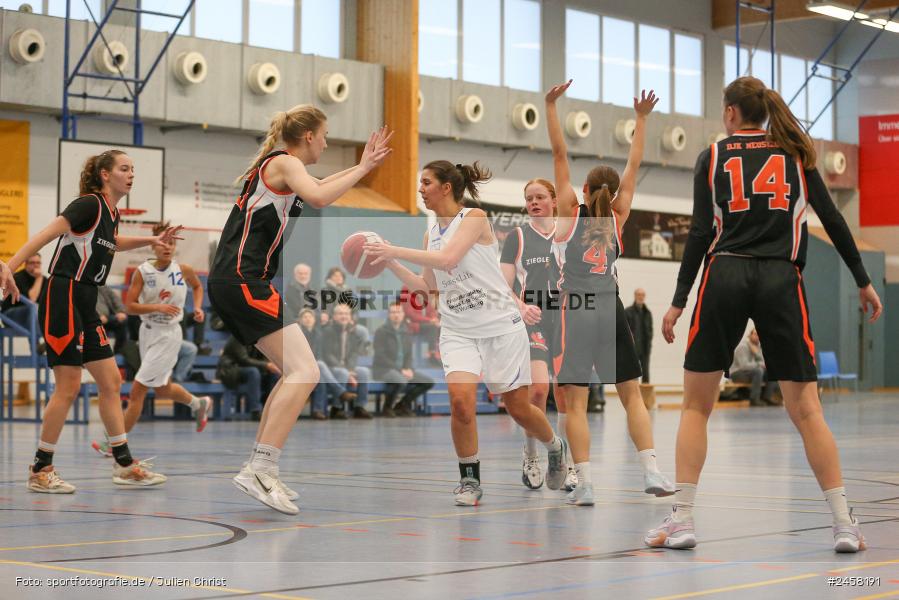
(584, 267)
(751, 199)
(162, 286)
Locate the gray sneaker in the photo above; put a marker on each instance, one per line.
(848, 538)
(582, 495)
(468, 493)
(557, 468)
(657, 485)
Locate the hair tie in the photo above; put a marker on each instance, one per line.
(459, 166)
(605, 185)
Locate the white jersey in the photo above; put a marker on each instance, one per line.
(162, 287)
(475, 300)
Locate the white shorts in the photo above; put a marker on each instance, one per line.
(159, 346)
(503, 360)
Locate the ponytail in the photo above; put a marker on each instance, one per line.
(785, 130)
(91, 182)
(289, 127)
(598, 228)
(463, 179)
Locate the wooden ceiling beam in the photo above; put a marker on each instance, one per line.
(724, 12)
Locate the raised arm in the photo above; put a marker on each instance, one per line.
(124, 243)
(566, 198)
(321, 193)
(628, 185)
(57, 227)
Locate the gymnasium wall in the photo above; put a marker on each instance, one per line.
(891, 335)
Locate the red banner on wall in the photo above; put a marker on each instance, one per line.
(878, 151)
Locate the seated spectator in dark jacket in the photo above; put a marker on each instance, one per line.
(341, 348)
(337, 292)
(423, 321)
(31, 283)
(327, 383)
(113, 316)
(237, 366)
(393, 365)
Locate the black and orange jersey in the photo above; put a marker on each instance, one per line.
(751, 199)
(583, 267)
(530, 252)
(252, 239)
(86, 251)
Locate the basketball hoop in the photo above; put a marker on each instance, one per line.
(132, 212)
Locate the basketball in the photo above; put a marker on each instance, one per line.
(354, 259)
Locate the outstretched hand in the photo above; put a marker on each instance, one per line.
(169, 235)
(645, 104)
(382, 250)
(376, 149)
(557, 91)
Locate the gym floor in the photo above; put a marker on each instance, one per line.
(377, 519)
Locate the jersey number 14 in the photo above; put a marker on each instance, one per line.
(771, 181)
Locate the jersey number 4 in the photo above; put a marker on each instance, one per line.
(771, 180)
(597, 258)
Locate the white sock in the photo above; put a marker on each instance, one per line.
(530, 446)
(583, 472)
(555, 444)
(836, 499)
(194, 403)
(648, 460)
(468, 460)
(252, 452)
(265, 459)
(684, 498)
(46, 446)
(561, 418)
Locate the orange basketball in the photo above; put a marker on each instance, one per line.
(355, 260)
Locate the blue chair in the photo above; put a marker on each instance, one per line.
(829, 370)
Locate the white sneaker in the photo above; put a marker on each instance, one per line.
(202, 413)
(848, 538)
(46, 481)
(582, 495)
(265, 488)
(468, 493)
(531, 473)
(570, 480)
(291, 494)
(138, 474)
(657, 484)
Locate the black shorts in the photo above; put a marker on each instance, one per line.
(72, 328)
(594, 336)
(542, 335)
(249, 310)
(770, 292)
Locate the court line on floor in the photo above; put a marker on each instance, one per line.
(148, 580)
(876, 596)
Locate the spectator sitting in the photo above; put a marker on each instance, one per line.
(236, 366)
(341, 348)
(749, 367)
(335, 286)
(31, 283)
(423, 321)
(327, 383)
(295, 293)
(393, 365)
(113, 316)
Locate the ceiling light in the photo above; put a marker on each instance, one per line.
(835, 10)
(888, 25)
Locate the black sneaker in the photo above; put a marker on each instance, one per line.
(338, 413)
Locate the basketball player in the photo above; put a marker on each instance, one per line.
(481, 327)
(87, 232)
(587, 243)
(750, 196)
(275, 187)
(157, 293)
(527, 259)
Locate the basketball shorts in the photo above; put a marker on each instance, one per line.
(72, 328)
(249, 310)
(503, 360)
(594, 337)
(735, 289)
(540, 337)
(159, 346)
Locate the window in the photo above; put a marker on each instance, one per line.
(171, 7)
(320, 27)
(792, 78)
(271, 24)
(57, 8)
(761, 67)
(582, 54)
(219, 20)
(820, 91)
(687, 74)
(618, 77)
(438, 50)
(655, 64)
(481, 41)
(521, 50)
(730, 63)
